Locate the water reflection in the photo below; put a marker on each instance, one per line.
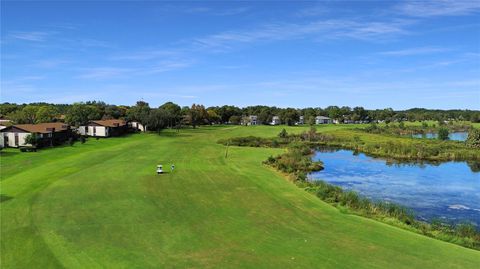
(449, 190)
(455, 136)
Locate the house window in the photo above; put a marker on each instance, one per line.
(16, 139)
(94, 130)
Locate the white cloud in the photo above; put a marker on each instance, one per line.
(146, 54)
(326, 29)
(165, 66)
(312, 11)
(104, 72)
(50, 63)
(430, 8)
(414, 51)
(232, 11)
(116, 72)
(36, 36)
(197, 10)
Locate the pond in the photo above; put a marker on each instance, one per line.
(449, 191)
(456, 136)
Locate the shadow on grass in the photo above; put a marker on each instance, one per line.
(4, 198)
(164, 173)
(173, 134)
(4, 153)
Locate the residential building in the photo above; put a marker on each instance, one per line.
(137, 126)
(322, 120)
(48, 134)
(104, 128)
(252, 120)
(301, 120)
(275, 120)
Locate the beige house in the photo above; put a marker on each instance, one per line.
(322, 120)
(137, 126)
(104, 128)
(47, 133)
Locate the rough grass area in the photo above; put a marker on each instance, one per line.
(100, 205)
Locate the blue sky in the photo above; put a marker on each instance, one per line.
(375, 54)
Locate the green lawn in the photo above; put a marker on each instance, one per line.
(100, 205)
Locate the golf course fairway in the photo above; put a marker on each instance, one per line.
(101, 205)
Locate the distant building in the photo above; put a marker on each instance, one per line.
(137, 126)
(249, 120)
(104, 128)
(51, 133)
(252, 120)
(301, 120)
(322, 120)
(275, 120)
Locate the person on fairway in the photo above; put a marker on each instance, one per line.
(173, 167)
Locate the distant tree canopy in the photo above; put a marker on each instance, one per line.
(170, 114)
(139, 112)
(81, 113)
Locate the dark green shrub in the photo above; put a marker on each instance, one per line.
(443, 134)
(473, 139)
(283, 134)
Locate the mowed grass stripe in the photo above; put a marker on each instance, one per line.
(105, 207)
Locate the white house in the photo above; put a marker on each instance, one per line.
(301, 120)
(275, 120)
(322, 120)
(47, 133)
(104, 128)
(137, 126)
(252, 120)
(249, 120)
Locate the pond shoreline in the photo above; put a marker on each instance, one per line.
(297, 163)
(394, 181)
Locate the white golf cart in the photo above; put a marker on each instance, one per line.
(159, 169)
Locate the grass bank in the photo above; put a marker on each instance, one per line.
(297, 163)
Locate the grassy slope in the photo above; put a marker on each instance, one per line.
(99, 205)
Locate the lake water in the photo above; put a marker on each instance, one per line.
(456, 136)
(449, 191)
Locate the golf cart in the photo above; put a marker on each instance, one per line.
(159, 169)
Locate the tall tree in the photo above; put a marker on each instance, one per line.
(157, 119)
(174, 112)
(139, 112)
(197, 114)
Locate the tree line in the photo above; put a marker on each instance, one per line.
(175, 116)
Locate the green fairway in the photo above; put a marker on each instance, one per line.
(101, 205)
